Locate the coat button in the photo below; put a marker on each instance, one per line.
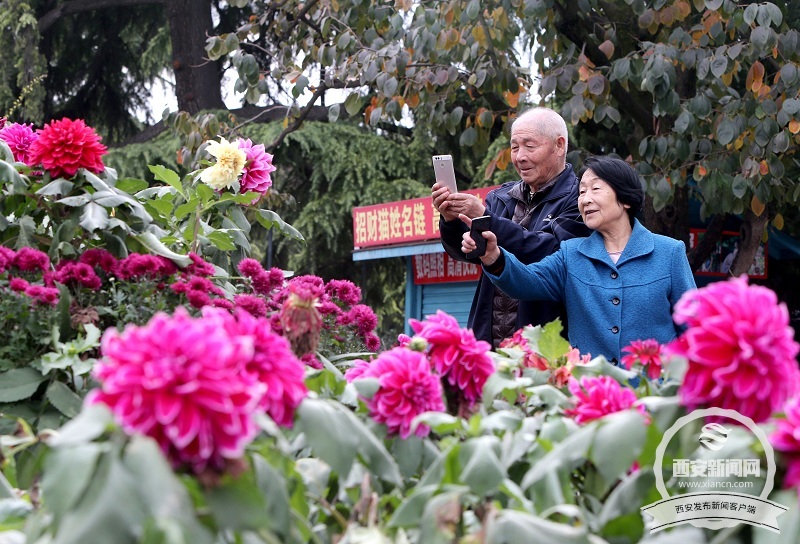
(615, 329)
(614, 360)
(614, 275)
(615, 301)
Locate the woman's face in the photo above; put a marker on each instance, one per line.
(598, 203)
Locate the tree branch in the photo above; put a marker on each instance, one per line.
(78, 6)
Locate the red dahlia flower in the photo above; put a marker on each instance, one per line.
(63, 147)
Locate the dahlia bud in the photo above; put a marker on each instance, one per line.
(418, 344)
(301, 321)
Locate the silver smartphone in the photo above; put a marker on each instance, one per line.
(443, 170)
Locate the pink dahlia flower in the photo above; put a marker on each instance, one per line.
(598, 396)
(647, 353)
(181, 381)
(786, 439)
(461, 359)
(740, 347)
(19, 139)
(407, 388)
(344, 290)
(63, 147)
(272, 364)
(256, 173)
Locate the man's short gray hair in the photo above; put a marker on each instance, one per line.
(545, 121)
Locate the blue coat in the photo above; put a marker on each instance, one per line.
(555, 219)
(608, 305)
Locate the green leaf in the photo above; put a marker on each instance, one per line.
(149, 240)
(67, 473)
(58, 186)
(94, 217)
(19, 383)
(337, 436)
(469, 137)
(64, 399)
(513, 527)
(10, 176)
(439, 422)
(440, 517)
(411, 509)
(221, 240)
(93, 421)
(273, 487)
(170, 177)
(551, 344)
(237, 503)
(268, 219)
(481, 469)
(726, 131)
(565, 455)
(618, 442)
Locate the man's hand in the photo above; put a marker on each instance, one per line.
(468, 244)
(451, 204)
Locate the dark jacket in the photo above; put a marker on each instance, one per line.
(554, 220)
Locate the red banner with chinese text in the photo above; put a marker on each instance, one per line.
(441, 268)
(400, 222)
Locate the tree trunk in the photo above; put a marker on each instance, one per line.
(751, 233)
(706, 245)
(673, 219)
(197, 79)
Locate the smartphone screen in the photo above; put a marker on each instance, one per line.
(443, 170)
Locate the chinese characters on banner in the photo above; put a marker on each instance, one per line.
(401, 222)
(440, 268)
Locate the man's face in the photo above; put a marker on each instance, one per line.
(537, 158)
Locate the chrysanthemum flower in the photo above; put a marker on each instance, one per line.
(740, 347)
(6, 258)
(646, 353)
(273, 363)
(251, 304)
(598, 396)
(229, 165)
(181, 381)
(43, 295)
(28, 259)
(72, 273)
(407, 388)
(18, 284)
(100, 258)
(199, 266)
(19, 138)
(455, 354)
(63, 147)
(256, 172)
(786, 439)
(344, 290)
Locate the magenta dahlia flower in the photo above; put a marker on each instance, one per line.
(181, 381)
(740, 347)
(19, 138)
(63, 147)
(786, 439)
(598, 396)
(455, 353)
(646, 353)
(273, 363)
(407, 388)
(256, 173)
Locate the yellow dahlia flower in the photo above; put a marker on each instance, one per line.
(229, 165)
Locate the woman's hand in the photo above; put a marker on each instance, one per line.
(468, 244)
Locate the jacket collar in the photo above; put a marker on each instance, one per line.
(640, 243)
(562, 186)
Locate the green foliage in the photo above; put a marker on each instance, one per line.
(22, 92)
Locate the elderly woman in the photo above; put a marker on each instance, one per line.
(619, 284)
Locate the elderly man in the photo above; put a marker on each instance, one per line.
(530, 218)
